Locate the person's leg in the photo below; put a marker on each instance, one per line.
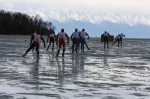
(83, 47)
(118, 42)
(58, 51)
(79, 43)
(87, 45)
(121, 42)
(53, 46)
(52, 41)
(107, 42)
(73, 45)
(59, 47)
(63, 48)
(37, 49)
(48, 46)
(63, 52)
(82, 44)
(114, 43)
(31, 47)
(76, 45)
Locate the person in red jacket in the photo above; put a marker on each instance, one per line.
(34, 42)
(61, 41)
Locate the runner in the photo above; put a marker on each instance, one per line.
(61, 42)
(74, 38)
(34, 42)
(82, 36)
(51, 39)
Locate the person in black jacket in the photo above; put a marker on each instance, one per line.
(51, 38)
(106, 34)
(117, 39)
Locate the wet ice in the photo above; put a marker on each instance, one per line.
(97, 74)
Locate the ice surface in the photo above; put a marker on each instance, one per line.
(114, 73)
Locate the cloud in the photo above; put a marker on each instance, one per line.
(107, 6)
(7, 5)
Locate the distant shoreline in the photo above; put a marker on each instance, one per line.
(90, 37)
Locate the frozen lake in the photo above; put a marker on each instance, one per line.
(117, 73)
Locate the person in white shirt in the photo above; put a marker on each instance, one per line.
(61, 41)
(74, 38)
(35, 42)
(82, 39)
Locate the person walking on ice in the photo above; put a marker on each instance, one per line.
(61, 41)
(51, 39)
(82, 36)
(35, 42)
(74, 38)
(117, 39)
(121, 37)
(106, 34)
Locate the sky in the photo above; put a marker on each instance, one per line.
(107, 6)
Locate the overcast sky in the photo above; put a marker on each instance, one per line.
(107, 6)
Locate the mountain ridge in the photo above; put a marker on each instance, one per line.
(94, 17)
(132, 25)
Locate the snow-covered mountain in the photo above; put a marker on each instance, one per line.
(94, 17)
(133, 25)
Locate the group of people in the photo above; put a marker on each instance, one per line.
(77, 37)
(118, 39)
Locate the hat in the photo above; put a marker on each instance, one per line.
(62, 30)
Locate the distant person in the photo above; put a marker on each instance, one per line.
(51, 39)
(61, 41)
(106, 34)
(82, 38)
(117, 39)
(74, 38)
(79, 40)
(34, 42)
(121, 37)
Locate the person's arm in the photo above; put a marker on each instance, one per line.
(67, 38)
(43, 41)
(88, 36)
(32, 37)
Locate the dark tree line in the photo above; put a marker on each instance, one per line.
(16, 23)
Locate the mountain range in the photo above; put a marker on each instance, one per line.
(133, 25)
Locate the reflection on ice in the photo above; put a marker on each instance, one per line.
(114, 73)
